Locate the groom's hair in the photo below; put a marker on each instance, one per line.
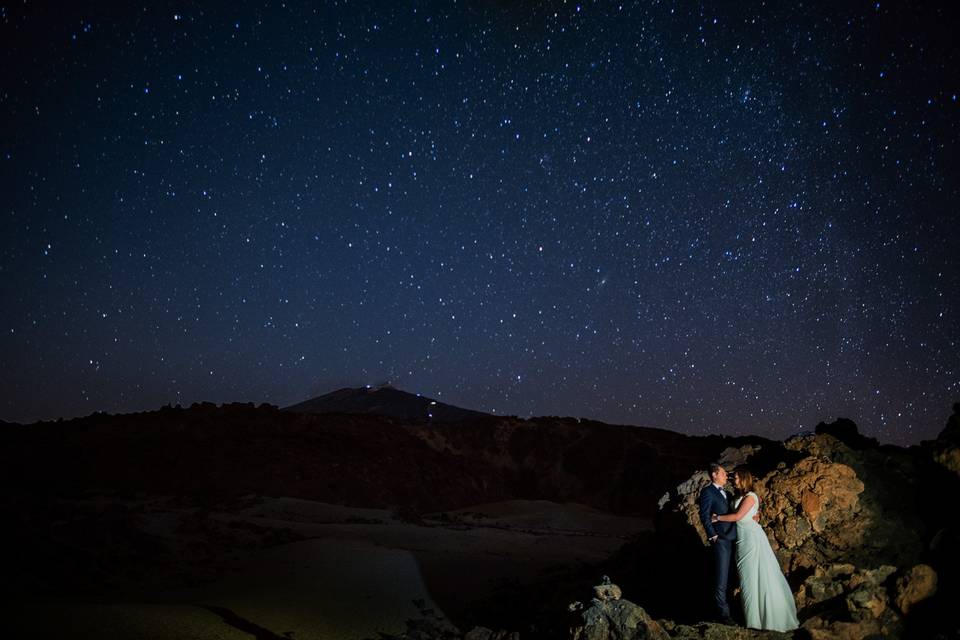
(713, 467)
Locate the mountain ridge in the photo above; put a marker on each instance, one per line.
(385, 400)
(356, 459)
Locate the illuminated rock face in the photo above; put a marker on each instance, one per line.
(813, 512)
(850, 522)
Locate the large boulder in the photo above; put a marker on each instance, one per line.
(882, 526)
(812, 512)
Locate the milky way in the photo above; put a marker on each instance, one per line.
(707, 217)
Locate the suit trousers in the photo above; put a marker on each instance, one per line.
(722, 556)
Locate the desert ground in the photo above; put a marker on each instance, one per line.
(290, 568)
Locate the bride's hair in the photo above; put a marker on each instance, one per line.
(746, 479)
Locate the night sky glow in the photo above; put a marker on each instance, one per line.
(707, 217)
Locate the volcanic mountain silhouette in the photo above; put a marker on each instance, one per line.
(364, 458)
(385, 400)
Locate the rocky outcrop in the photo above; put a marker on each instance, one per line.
(799, 504)
(813, 513)
(819, 510)
(864, 533)
(885, 524)
(612, 618)
(850, 522)
(617, 620)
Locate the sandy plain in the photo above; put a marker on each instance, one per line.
(338, 572)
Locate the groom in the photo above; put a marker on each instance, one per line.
(713, 499)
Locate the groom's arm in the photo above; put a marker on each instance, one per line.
(705, 513)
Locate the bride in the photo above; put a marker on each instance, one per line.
(767, 599)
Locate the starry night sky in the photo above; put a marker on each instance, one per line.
(710, 217)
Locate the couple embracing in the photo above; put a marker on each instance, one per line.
(767, 600)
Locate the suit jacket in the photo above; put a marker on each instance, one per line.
(712, 500)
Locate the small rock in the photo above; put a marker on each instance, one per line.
(867, 601)
(605, 592)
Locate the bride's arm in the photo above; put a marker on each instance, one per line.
(745, 505)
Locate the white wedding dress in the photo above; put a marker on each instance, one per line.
(767, 600)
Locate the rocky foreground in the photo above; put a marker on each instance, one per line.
(867, 535)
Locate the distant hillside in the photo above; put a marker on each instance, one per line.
(385, 401)
(358, 460)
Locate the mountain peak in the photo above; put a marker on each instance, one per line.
(385, 400)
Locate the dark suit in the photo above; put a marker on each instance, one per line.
(713, 500)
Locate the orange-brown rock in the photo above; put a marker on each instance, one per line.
(811, 504)
(919, 583)
(845, 517)
(813, 511)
